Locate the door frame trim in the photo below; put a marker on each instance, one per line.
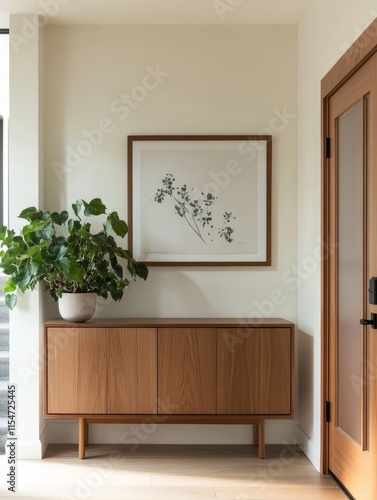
(357, 55)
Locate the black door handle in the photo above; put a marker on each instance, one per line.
(372, 321)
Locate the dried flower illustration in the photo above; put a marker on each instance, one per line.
(196, 209)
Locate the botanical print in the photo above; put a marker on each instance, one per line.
(197, 210)
(199, 201)
(189, 207)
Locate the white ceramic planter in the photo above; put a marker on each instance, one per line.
(77, 307)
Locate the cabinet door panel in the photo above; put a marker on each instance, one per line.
(275, 372)
(92, 371)
(62, 358)
(254, 371)
(132, 371)
(76, 370)
(187, 371)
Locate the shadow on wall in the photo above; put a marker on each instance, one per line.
(166, 293)
(305, 382)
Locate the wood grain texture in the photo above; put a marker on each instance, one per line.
(170, 419)
(359, 52)
(172, 323)
(372, 393)
(116, 350)
(91, 386)
(187, 371)
(76, 371)
(346, 459)
(113, 373)
(132, 370)
(261, 440)
(62, 364)
(82, 437)
(254, 371)
(135, 138)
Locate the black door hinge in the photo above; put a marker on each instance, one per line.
(327, 147)
(327, 411)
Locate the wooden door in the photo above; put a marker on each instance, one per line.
(76, 370)
(254, 371)
(132, 371)
(352, 238)
(187, 371)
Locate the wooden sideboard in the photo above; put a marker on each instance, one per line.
(214, 371)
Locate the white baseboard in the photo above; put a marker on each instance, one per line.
(44, 439)
(29, 450)
(309, 448)
(63, 431)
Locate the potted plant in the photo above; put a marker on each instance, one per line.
(68, 256)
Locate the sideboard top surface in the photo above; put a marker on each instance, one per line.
(174, 323)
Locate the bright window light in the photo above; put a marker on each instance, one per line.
(4, 117)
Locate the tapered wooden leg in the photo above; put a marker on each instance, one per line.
(82, 432)
(261, 447)
(86, 433)
(255, 434)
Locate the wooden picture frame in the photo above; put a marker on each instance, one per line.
(200, 200)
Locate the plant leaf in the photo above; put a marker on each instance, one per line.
(63, 265)
(11, 300)
(9, 269)
(9, 237)
(46, 233)
(19, 239)
(46, 216)
(77, 207)
(9, 286)
(117, 294)
(73, 226)
(78, 261)
(3, 232)
(119, 226)
(26, 214)
(118, 269)
(95, 207)
(100, 238)
(76, 272)
(31, 251)
(125, 254)
(59, 219)
(23, 279)
(64, 216)
(141, 270)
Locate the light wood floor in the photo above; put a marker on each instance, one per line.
(171, 473)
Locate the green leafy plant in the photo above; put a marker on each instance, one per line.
(66, 255)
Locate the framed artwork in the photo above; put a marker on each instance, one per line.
(200, 200)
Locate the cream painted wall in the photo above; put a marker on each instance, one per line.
(210, 80)
(215, 80)
(25, 155)
(325, 33)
